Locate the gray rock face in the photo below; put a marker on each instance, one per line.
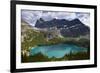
(67, 28)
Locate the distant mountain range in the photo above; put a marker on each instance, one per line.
(67, 28)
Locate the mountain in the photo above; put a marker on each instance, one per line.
(25, 27)
(47, 24)
(67, 28)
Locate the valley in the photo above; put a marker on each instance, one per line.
(53, 35)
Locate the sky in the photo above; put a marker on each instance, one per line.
(31, 16)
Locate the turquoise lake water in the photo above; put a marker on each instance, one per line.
(57, 51)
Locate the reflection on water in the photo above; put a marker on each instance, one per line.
(57, 51)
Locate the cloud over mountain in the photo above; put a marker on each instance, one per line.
(31, 16)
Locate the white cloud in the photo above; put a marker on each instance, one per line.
(84, 17)
(32, 16)
(58, 15)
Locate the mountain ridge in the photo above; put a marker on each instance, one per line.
(67, 28)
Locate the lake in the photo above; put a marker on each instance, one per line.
(57, 51)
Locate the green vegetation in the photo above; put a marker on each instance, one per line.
(42, 58)
(32, 38)
(81, 42)
(35, 38)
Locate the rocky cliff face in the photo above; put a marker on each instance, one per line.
(67, 28)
